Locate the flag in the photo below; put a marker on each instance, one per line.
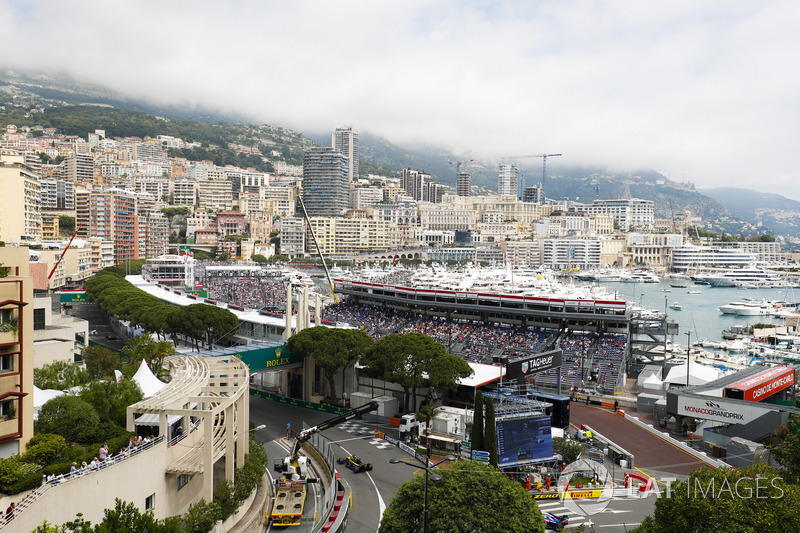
(118, 375)
(395, 259)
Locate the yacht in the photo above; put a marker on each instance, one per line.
(642, 276)
(746, 277)
(676, 306)
(749, 307)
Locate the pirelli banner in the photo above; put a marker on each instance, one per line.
(534, 363)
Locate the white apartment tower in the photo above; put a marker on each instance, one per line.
(345, 141)
(508, 179)
(464, 183)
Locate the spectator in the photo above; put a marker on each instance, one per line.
(73, 469)
(10, 512)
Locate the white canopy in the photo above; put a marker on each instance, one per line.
(698, 374)
(41, 397)
(652, 382)
(149, 384)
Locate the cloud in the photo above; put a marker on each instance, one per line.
(704, 90)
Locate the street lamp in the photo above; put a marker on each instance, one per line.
(688, 352)
(436, 477)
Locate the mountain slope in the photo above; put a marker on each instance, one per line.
(762, 209)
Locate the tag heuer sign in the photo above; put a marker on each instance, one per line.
(533, 363)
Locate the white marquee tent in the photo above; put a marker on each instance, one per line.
(698, 374)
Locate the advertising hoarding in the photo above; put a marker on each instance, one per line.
(523, 439)
(762, 385)
(520, 368)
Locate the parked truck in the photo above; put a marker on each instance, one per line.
(292, 485)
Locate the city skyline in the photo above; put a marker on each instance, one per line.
(699, 91)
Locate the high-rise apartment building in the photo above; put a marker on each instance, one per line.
(345, 141)
(415, 183)
(508, 179)
(464, 183)
(532, 195)
(325, 182)
(57, 194)
(79, 168)
(20, 213)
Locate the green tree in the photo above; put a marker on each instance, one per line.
(125, 517)
(111, 399)
(59, 375)
(69, 416)
(258, 258)
(727, 501)
(469, 497)
(787, 450)
(332, 349)
(66, 224)
(406, 358)
(477, 422)
(490, 433)
(46, 449)
(570, 450)
(100, 361)
(146, 348)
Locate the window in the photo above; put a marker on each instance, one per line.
(6, 315)
(183, 479)
(7, 409)
(150, 502)
(38, 318)
(6, 363)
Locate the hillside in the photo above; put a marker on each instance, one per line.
(722, 209)
(763, 209)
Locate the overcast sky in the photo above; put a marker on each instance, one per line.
(706, 91)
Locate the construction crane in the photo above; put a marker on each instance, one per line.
(292, 485)
(674, 224)
(319, 251)
(60, 257)
(544, 162)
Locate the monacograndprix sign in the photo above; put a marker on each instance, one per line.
(719, 409)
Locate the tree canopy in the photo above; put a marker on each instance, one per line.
(469, 497)
(100, 361)
(414, 360)
(727, 501)
(787, 450)
(59, 375)
(111, 399)
(331, 348)
(69, 416)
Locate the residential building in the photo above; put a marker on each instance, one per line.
(364, 197)
(57, 195)
(20, 213)
(16, 351)
(292, 237)
(766, 253)
(508, 179)
(279, 201)
(215, 194)
(533, 195)
(231, 223)
(200, 219)
(417, 184)
(630, 213)
(157, 233)
(114, 216)
(325, 182)
(341, 236)
(400, 213)
(345, 141)
(205, 236)
(523, 253)
(49, 227)
(464, 183)
(446, 218)
(184, 192)
(571, 253)
(79, 168)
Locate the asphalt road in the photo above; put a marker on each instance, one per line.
(372, 490)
